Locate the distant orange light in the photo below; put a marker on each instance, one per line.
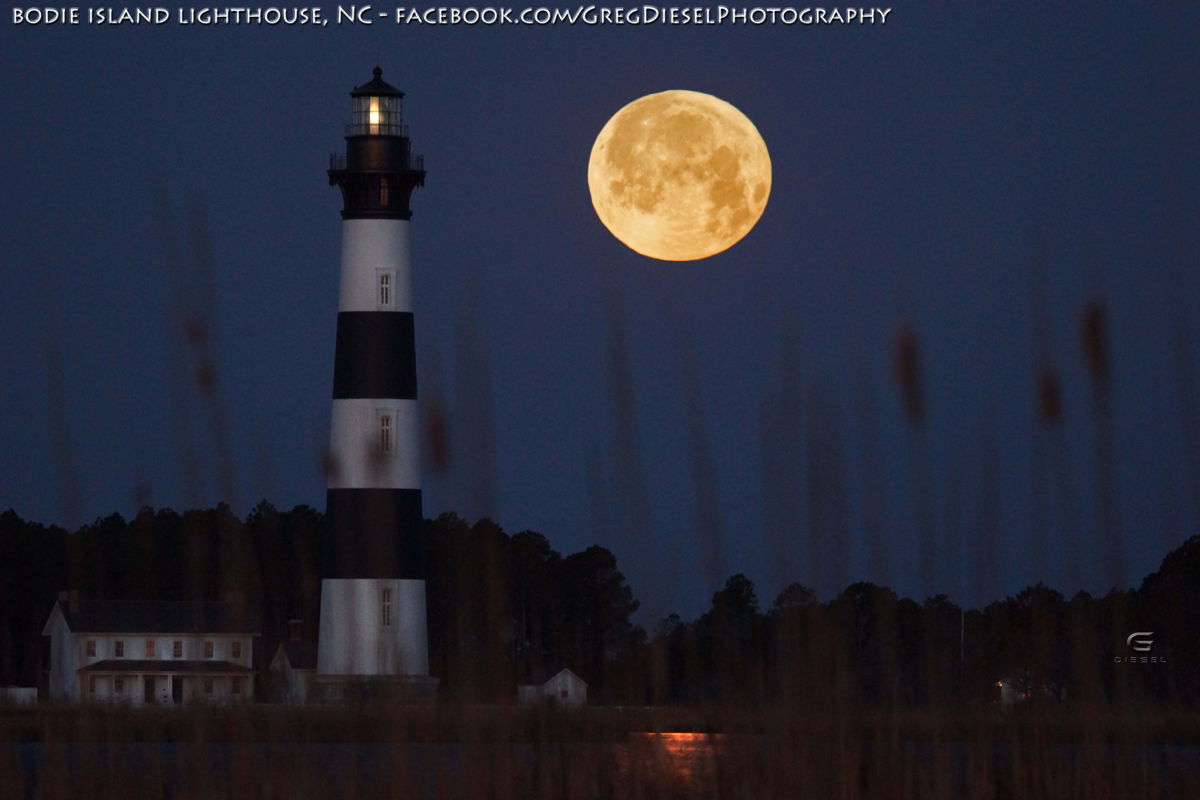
(1000, 683)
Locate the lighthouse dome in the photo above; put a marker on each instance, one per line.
(376, 87)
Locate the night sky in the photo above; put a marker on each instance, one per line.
(926, 171)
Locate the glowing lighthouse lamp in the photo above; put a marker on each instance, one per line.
(373, 625)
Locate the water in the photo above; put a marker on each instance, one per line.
(694, 764)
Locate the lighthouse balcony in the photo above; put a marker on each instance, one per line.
(411, 163)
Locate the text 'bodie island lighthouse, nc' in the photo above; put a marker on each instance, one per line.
(373, 625)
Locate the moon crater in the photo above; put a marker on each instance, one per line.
(679, 175)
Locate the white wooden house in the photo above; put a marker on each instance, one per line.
(563, 688)
(161, 653)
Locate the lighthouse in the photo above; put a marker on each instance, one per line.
(372, 625)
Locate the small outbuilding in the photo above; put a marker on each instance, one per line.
(18, 695)
(563, 688)
(293, 666)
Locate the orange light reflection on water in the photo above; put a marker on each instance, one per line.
(687, 755)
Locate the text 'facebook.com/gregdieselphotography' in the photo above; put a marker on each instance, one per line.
(444, 15)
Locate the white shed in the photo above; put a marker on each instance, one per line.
(18, 695)
(563, 688)
(294, 665)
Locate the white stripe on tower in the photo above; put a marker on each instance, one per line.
(373, 621)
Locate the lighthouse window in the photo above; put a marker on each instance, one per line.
(373, 115)
(385, 289)
(386, 610)
(385, 433)
(383, 192)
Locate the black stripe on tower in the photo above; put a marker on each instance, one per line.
(377, 176)
(375, 355)
(372, 533)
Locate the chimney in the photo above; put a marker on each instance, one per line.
(295, 630)
(73, 601)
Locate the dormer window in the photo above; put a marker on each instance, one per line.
(91, 648)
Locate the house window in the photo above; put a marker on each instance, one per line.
(385, 433)
(91, 648)
(208, 649)
(208, 685)
(118, 685)
(386, 611)
(177, 649)
(237, 686)
(91, 684)
(236, 649)
(149, 648)
(119, 648)
(563, 694)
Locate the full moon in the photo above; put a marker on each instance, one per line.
(679, 175)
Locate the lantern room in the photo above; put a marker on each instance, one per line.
(376, 109)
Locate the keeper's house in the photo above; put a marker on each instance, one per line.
(161, 653)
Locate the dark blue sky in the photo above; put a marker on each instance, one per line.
(916, 165)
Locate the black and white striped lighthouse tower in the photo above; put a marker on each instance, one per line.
(373, 627)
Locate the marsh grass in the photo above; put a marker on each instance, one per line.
(810, 743)
(509, 752)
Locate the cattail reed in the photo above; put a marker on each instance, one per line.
(1094, 339)
(781, 444)
(910, 382)
(707, 511)
(632, 505)
(475, 438)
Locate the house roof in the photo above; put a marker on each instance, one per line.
(164, 665)
(136, 616)
(547, 675)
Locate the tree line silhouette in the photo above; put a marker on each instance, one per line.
(504, 609)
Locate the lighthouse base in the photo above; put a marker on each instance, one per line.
(351, 689)
(372, 628)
